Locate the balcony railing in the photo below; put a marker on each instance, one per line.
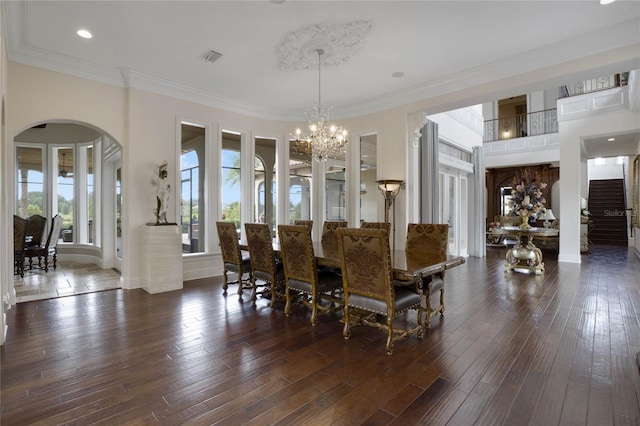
(521, 125)
(595, 84)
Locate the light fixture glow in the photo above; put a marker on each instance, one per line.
(84, 33)
(325, 139)
(611, 139)
(606, 1)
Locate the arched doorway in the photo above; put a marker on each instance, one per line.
(73, 170)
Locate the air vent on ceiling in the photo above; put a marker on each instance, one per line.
(211, 55)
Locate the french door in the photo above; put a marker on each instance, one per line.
(454, 207)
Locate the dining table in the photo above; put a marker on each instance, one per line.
(407, 266)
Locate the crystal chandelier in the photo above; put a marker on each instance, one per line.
(325, 139)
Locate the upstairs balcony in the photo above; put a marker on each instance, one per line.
(521, 125)
(533, 138)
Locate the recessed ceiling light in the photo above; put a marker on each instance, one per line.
(611, 139)
(606, 1)
(84, 33)
(397, 74)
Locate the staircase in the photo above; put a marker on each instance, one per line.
(608, 212)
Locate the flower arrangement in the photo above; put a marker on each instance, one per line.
(526, 195)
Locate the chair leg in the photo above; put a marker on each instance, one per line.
(314, 309)
(287, 305)
(346, 331)
(389, 335)
(429, 311)
(225, 282)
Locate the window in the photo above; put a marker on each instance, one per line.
(231, 194)
(335, 195)
(192, 200)
(30, 191)
(299, 182)
(505, 197)
(64, 190)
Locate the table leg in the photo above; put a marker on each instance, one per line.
(524, 255)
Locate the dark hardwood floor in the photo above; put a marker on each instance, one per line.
(512, 349)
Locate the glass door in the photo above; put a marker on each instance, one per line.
(454, 208)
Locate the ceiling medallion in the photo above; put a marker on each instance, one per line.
(340, 42)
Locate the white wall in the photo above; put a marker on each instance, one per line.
(609, 170)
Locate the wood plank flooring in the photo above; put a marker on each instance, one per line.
(512, 349)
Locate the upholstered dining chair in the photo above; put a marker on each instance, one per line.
(329, 240)
(302, 274)
(234, 260)
(368, 285)
(376, 225)
(307, 223)
(49, 249)
(329, 228)
(36, 225)
(19, 234)
(263, 262)
(429, 241)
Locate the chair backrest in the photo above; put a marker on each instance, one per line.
(19, 233)
(376, 225)
(366, 263)
(261, 248)
(427, 240)
(35, 229)
(297, 254)
(307, 223)
(54, 232)
(229, 245)
(329, 228)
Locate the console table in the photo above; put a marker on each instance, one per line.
(525, 255)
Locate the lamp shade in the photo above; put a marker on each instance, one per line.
(548, 215)
(390, 185)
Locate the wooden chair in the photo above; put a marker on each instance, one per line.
(376, 225)
(19, 234)
(263, 262)
(49, 248)
(36, 225)
(329, 228)
(429, 241)
(232, 257)
(368, 286)
(302, 274)
(307, 223)
(329, 240)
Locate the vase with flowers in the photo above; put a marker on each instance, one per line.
(526, 197)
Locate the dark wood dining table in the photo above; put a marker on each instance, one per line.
(406, 266)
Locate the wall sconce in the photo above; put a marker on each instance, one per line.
(390, 190)
(506, 134)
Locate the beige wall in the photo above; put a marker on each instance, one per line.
(144, 124)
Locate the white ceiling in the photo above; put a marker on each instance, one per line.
(440, 47)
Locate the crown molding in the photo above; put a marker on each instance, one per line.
(624, 34)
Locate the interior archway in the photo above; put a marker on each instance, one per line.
(73, 170)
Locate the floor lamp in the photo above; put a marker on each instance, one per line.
(390, 189)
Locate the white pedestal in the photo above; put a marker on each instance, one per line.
(162, 258)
